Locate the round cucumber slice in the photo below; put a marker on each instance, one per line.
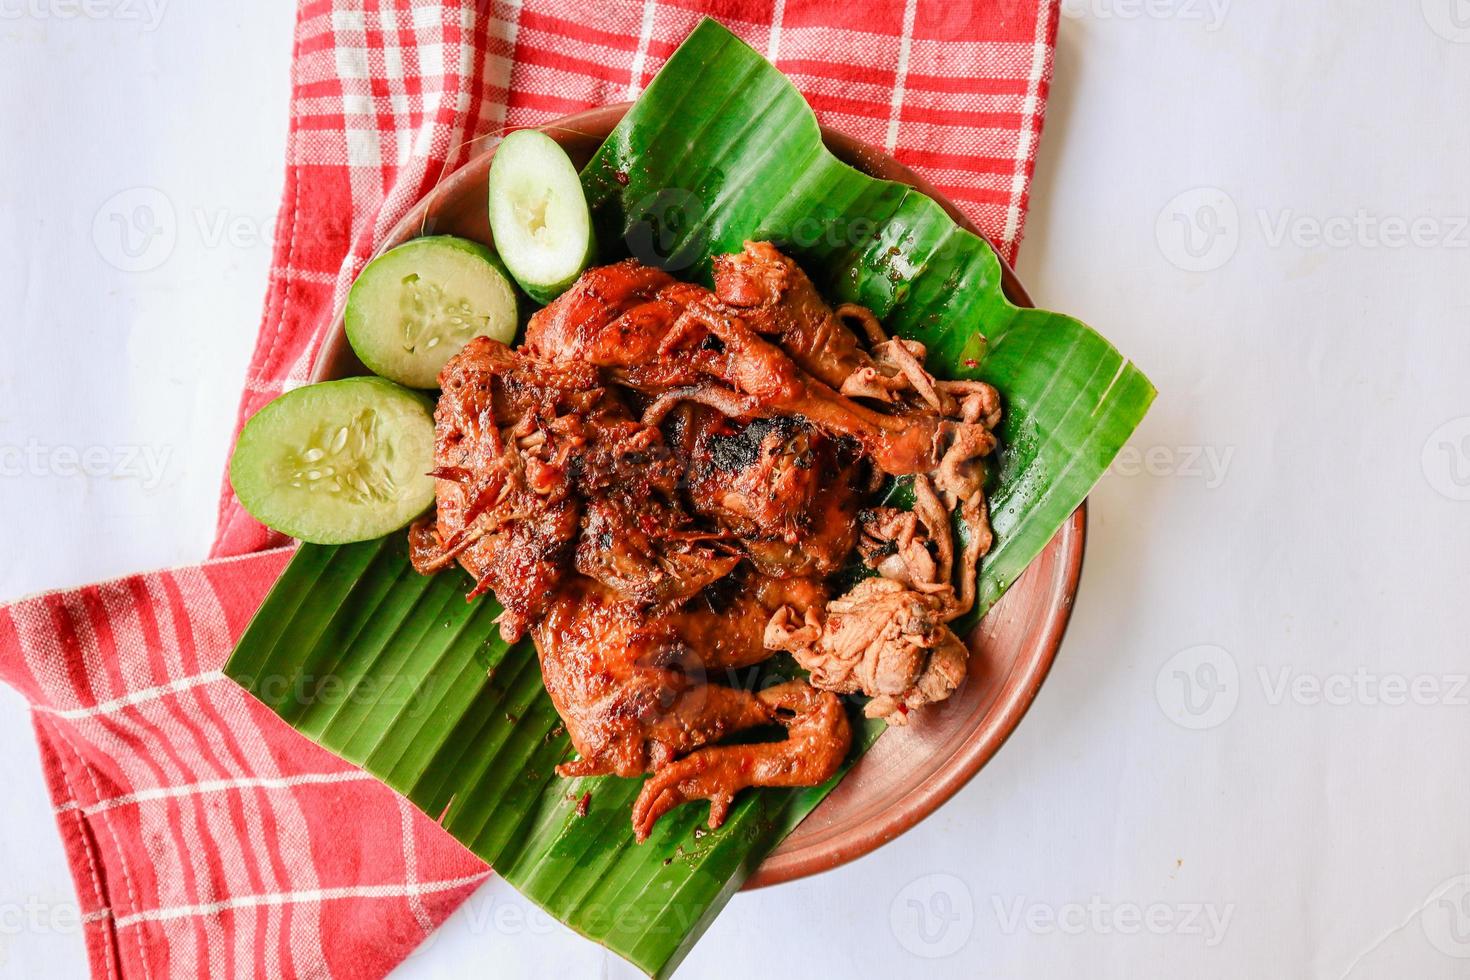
(337, 462)
(538, 214)
(416, 305)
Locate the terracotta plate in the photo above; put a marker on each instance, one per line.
(910, 771)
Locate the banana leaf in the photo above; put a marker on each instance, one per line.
(397, 673)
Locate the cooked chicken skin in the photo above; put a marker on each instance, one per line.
(784, 488)
(637, 691)
(506, 509)
(678, 341)
(772, 293)
(635, 686)
(656, 486)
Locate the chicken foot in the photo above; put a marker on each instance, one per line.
(817, 740)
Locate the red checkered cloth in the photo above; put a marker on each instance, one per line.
(206, 837)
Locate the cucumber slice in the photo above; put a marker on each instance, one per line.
(337, 462)
(416, 305)
(538, 214)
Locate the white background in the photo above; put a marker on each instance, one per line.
(1251, 758)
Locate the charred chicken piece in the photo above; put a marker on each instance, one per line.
(506, 428)
(636, 692)
(783, 488)
(521, 447)
(817, 740)
(779, 301)
(655, 485)
(677, 342)
(553, 495)
(776, 297)
(646, 551)
(888, 637)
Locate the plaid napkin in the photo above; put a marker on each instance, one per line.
(205, 837)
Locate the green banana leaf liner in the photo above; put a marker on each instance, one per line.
(396, 673)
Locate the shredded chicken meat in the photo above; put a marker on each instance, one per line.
(658, 486)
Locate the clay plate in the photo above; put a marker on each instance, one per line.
(912, 770)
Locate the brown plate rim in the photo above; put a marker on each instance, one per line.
(1000, 721)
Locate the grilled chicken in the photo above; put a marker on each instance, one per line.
(679, 342)
(777, 299)
(657, 485)
(786, 490)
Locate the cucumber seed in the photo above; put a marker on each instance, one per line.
(428, 316)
